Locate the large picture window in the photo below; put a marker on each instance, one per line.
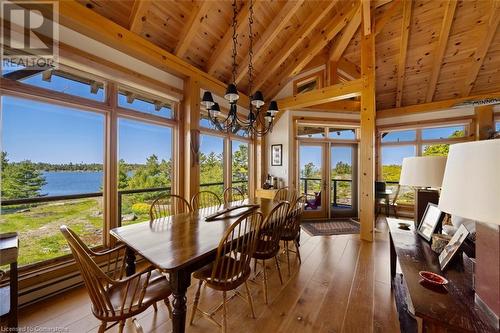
(212, 164)
(427, 141)
(145, 167)
(50, 151)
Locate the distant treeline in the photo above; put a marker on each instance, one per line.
(43, 166)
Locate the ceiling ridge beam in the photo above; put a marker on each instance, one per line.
(138, 15)
(386, 17)
(191, 28)
(403, 49)
(319, 42)
(444, 34)
(482, 49)
(272, 31)
(87, 22)
(224, 44)
(433, 106)
(367, 25)
(318, 14)
(328, 94)
(347, 33)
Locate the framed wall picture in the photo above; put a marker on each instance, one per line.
(277, 155)
(452, 248)
(431, 219)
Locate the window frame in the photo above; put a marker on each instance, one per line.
(227, 153)
(419, 143)
(112, 112)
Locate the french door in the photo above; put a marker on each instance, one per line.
(328, 177)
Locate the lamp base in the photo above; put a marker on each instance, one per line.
(422, 198)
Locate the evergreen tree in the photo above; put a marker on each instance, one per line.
(20, 180)
(122, 175)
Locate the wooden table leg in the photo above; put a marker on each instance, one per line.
(13, 295)
(180, 281)
(393, 257)
(129, 261)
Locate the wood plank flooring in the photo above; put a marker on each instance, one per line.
(342, 285)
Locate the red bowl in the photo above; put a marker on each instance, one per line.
(433, 278)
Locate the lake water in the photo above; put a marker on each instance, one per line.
(71, 182)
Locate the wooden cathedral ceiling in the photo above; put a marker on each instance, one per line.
(426, 50)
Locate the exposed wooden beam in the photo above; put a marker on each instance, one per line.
(346, 105)
(114, 71)
(138, 15)
(367, 25)
(380, 3)
(281, 21)
(485, 40)
(318, 42)
(367, 138)
(191, 126)
(348, 69)
(433, 106)
(386, 17)
(320, 11)
(79, 18)
(444, 33)
(191, 27)
(333, 93)
(346, 35)
(22, 74)
(225, 44)
(403, 48)
(485, 121)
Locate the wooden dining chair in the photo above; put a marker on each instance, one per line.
(285, 194)
(268, 244)
(233, 195)
(207, 200)
(291, 230)
(114, 297)
(168, 205)
(231, 267)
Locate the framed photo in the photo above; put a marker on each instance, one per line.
(453, 245)
(277, 155)
(430, 220)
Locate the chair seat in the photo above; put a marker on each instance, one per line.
(228, 264)
(266, 250)
(158, 289)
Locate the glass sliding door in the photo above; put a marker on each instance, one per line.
(312, 180)
(239, 165)
(343, 180)
(212, 164)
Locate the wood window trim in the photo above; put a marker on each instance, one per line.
(316, 76)
(33, 274)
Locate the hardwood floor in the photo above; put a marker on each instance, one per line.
(342, 285)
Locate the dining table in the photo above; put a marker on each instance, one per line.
(179, 245)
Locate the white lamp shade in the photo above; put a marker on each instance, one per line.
(471, 184)
(423, 171)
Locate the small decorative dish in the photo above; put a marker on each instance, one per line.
(433, 278)
(404, 226)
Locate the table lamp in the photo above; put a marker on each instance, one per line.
(425, 174)
(471, 189)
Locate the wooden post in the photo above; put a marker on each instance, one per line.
(191, 124)
(367, 139)
(110, 190)
(484, 121)
(331, 73)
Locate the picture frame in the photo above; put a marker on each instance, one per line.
(277, 155)
(453, 246)
(431, 220)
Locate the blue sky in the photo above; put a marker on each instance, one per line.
(49, 133)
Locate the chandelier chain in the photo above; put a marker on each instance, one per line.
(235, 39)
(250, 48)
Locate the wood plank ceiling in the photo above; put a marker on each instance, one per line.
(426, 50)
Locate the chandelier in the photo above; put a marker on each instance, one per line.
(257, 123)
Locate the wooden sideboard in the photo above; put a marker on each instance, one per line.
(434, 309)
